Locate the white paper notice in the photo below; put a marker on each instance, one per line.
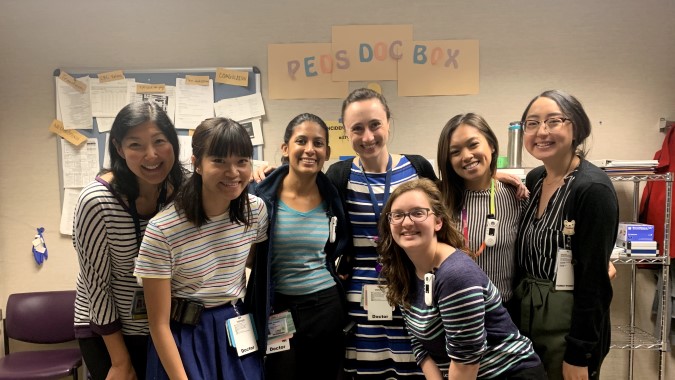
(74, 106)
(108, 98)
(104, 124)
(79, 163)
(240, 108)
(166, 100)
(185, 156)
(68, 210)
(193, 104)
(106, 152)
(254, 129)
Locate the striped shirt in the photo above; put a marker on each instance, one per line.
(498, 261)
(376, 347)
(298, 259)
(467, 323)
(206, 263)
(104, 237)
(541, 237)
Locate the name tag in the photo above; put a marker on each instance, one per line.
(278, 346)
(376, 304)
(564, 279)
(240, 334)
(138, 309)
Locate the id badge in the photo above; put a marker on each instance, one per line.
(280, 324)
(278, 346)
(564, 279)
(240, 334)
(376, 303)
(138, 309)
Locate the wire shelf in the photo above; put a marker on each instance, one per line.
(623, 339)
(640, 260)
(634, 178)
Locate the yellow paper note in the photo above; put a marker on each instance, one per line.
(142, 88)
(71, 135)
(111, 76)
(197, 80)
(233, 77)
(74, 83)
(338, 141)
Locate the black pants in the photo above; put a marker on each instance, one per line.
(97, 359)
(317, 348)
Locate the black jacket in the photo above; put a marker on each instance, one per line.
(260, 287)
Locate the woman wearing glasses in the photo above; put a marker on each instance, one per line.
(459, 327)
(566, 236)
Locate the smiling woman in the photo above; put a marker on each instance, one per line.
(571, 328)
(110, 219)
(192, 263)
(308, 232)
(441, 291)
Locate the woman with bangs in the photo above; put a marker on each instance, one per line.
(192, 263)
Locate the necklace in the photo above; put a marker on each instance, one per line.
(567, 172)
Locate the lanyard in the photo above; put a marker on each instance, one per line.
(465, 217)
(387, 184)
(135, 217)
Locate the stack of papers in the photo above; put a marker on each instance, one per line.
(626, 167)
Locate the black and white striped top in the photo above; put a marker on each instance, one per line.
(499, 261)
(541, 237)
(104, 237)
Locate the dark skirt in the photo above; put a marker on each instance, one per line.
(205, 351)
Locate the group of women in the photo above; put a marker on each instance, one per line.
(374, 270)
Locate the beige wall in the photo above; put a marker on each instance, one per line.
(617, 56)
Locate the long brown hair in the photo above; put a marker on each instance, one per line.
(397, 270)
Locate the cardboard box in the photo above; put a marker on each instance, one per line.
(635, 232)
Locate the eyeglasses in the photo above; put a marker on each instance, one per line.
(415, 215)
(552, 124)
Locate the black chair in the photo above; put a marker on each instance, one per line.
(42, 318)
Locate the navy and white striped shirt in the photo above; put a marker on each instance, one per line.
(467, 323)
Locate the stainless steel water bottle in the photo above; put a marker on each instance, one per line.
(515, 148)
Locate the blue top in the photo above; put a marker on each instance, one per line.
(298, 259)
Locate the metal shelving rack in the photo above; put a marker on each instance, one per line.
(631, 337)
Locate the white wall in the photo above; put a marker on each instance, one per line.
(616, 56)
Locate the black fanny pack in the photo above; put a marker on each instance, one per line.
(186, 311)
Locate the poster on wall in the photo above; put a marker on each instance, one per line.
(368, 52)
(303, 71)
(339, 142)
(443, 67)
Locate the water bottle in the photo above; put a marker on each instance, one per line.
(515, 148)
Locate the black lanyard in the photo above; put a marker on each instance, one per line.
(136, 218)
(387, 184)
